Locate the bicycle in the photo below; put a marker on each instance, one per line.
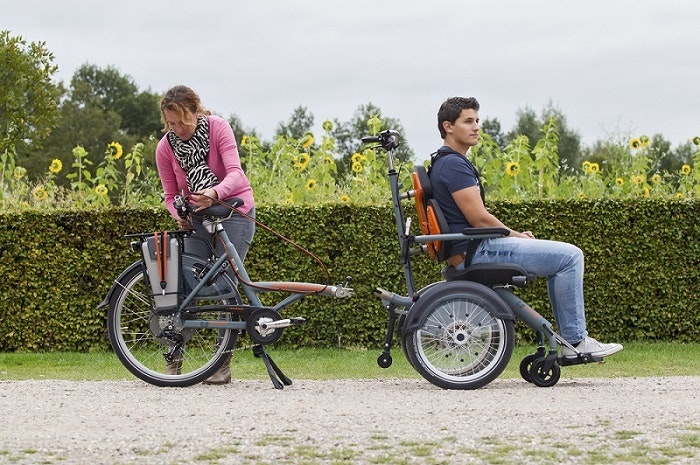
(171, 307)
(458, 333)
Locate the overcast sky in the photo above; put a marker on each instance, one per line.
(613, 68)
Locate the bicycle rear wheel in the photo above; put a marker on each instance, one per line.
(459, 343)
(136, 332)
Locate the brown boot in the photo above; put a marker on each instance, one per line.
(222, 375)
(174, 367)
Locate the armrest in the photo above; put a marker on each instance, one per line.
(482, 231)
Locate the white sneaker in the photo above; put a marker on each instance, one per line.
(593, 347)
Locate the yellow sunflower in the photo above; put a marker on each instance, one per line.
(635, 143)
(311, 184)
(115, 150)
(619, 181)
(656, 178)
(696, 140)
(39, 193)
(56, 166)
(308, 140)
(686, 169)
(512, 168)
(357, 167)
(344, 198)
(101, 189)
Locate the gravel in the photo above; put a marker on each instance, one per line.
(392, 421)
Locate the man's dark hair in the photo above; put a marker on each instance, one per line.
(452, 108)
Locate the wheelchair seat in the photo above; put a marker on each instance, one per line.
(432, 221)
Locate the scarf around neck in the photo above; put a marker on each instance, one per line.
(191, 155)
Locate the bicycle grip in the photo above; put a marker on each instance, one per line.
(370, 139)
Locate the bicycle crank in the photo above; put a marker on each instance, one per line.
(264, 325)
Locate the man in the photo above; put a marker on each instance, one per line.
(458, 191)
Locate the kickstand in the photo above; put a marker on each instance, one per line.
(279, 379)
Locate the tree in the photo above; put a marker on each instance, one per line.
(528, 124)
(348, 135)
(492, 127)
(101, 106)
(28, 98)
(300, 122)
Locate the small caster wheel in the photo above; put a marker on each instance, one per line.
(384, 361)
(543, 378)
(525, 366)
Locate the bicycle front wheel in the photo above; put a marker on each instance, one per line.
(136, 333)
(459, 344)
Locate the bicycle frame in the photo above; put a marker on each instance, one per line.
(251, 289)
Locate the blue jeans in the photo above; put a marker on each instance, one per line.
(238, 228)
(561, 263)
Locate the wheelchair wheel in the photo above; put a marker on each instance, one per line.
(459, 344)
(157, 348)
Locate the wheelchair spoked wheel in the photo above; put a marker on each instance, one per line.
(156, 348)
(459, 343)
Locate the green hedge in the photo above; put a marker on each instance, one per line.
(642, 268)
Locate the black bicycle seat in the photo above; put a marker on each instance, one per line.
(221, 210)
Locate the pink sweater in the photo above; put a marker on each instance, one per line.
(223, 160)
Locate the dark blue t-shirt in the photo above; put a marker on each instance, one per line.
(451, 172)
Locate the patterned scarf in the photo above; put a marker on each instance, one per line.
(191, 155)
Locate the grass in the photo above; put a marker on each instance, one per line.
(637, 360)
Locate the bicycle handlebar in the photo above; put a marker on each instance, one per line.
(388, 139)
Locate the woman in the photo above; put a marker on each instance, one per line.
(198, 157)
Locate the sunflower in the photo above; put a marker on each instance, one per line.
(512, 168)
(56, 166)
(619, 181)
(656, 178)
(679, 195)
(101, 189)
(344, 198)
(39, 193)
(686, 169)
(594, 168)
(115, 150)
(586, 166)
(358, 158)
(311, 184)
(357, 167)
(79, 151)
(638, 180)
(302, 161)
(644, 141)
(327, 126)
(696, 140)
(308, 140)
(635, 143)
(19, 172)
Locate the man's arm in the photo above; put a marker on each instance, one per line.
(472, 207)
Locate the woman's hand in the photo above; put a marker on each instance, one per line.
(203, 200)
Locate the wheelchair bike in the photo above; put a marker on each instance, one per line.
(458, 333)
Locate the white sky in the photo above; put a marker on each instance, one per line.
(614, 68)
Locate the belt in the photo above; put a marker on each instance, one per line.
(467, 256)
(456, 260)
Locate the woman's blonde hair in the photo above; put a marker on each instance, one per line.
(180, 99)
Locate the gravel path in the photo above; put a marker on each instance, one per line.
(626, 420)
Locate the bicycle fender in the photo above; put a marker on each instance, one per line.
(128, 269)
(418, 313)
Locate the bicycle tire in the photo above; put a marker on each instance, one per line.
(459, 343)
(132, 323)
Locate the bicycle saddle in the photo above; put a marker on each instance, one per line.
(221, 210)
